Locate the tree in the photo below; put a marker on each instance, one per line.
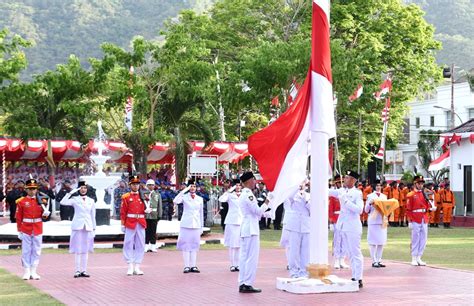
(428, 149)
(54, 105)
(12, 57)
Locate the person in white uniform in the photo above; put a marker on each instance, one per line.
(376, 232)
(191, 226)
(83, 227)
(232, 222)
(298, 226)
(249, 234)
(285, 234)
(349, 223)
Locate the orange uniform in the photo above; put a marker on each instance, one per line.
(439, 207)
(448, 202)
(402, 201)
(132, 210)
(29, 216)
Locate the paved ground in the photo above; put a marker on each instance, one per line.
(164, 282)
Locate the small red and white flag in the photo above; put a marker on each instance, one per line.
(441, 162)
(282, 148)
(275, 102)
(385, 117)
(293, 92)
(386, 111)
(385, 88)
(357, 93)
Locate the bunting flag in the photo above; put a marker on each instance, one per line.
(129, 113)
(386, 111)
(282, 148)
(385, 88)
(455, 138)
(357, 93)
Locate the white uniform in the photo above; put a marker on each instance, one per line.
(350, 226)
(249, 236)
(233, 220)
(191, 226)
(376, 232)
(83, 228)
(298, 227)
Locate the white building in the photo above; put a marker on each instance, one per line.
(433, 113)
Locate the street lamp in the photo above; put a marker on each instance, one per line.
(452, 114)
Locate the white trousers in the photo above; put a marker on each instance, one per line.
(134, 244)
(80, 261)
(234, 256)
(249, 251)
(31, 250)
(298, 256)
(351, 243)
(419, 236)
(376, 252)
(337, 244)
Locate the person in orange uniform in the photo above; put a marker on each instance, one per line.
(402, 200)
(417, 209)
(29, 214)
(132, 216)
(448, 202)
(439, 206)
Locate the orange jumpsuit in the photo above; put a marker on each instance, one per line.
(365, 192)
(448, 202)
(439, 206)
(402, 201)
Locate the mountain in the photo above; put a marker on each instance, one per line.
(454, 24)
(59, 28)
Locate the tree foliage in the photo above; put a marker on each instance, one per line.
(12, 57)
(428, 148)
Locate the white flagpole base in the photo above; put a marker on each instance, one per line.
(305, 285)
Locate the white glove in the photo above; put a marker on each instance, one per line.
(46, 213)
(93, 233)
(331, 227)
(270, 196)
(231, 189)
(74, 190)
(122, 228)
(410, 226)
(20, 235)
(148, 210)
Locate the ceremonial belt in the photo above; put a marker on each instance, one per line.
(419, 210)
(337, 212)
(447, 201)
(27, 220)
(154, 209)
(135, 216)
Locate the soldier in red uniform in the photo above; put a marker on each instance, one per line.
(132, 216)
(29, 214)
(417, 208)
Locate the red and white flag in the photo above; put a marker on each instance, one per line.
(357, 93)
(293, 92)
(385, 88)
(282, 148)
(441, 162)
(386, 111)
(385, 116)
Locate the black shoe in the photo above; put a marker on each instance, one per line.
(360, 282)
(186, 270)
(85, 274)
(375, 265)
(248, 289)
(381, 265)
(237, 269)
(195, 270)
(77, 274)
(233, 269)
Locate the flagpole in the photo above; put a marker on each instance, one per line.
(360, 140)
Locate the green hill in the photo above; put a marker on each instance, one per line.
(59, 28)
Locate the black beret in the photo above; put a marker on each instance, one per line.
(246, 176)
(353, 174)
(81, 183)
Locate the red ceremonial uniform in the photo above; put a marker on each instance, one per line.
(334, 209)
(417, 207)
(28, 216)
(132, 210)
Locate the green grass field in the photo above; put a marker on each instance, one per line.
(453, 248)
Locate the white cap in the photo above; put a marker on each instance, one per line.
(150, 182)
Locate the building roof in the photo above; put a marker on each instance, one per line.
(466, 127)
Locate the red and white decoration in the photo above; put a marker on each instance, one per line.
(385, 89)
(385, 117)
(294, 88)
(69, 150)
(357, 93)
(441, 162)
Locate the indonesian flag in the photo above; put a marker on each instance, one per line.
(282, 148)
(385, 88)
(441, 162)
(275, 102)
(293, 92)
(357, 93)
